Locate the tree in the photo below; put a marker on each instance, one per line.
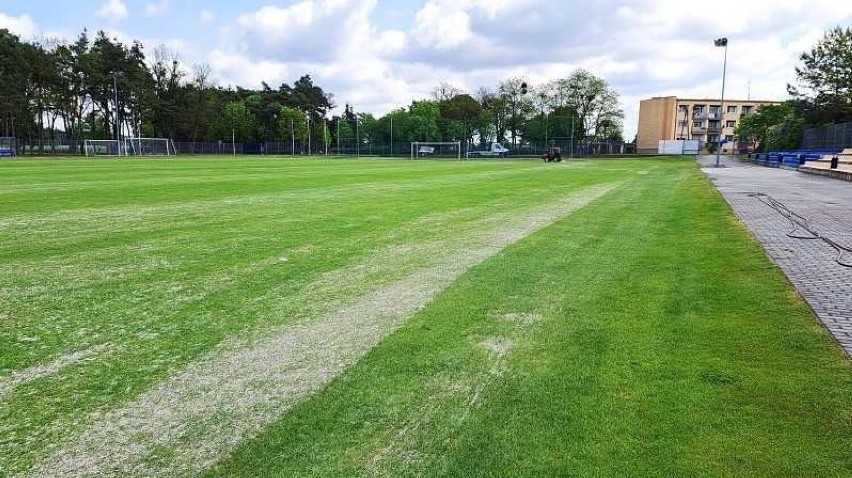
(292, 125)
(773, 127)
(445, 92)
(458, 115)
(15, 74)
(517, 103)
(198, 108)
(423, 121)
(825, 78)
(168, 91)
(492, 124)
(236, 120)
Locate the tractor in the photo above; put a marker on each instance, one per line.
(553, 155)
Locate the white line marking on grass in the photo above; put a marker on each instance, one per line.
(18, 377)
(200, 415)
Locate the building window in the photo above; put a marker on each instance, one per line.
(747, 110)
(729, 138)
(715, 109)
(730, 124)
(732, 110)
(697, 124)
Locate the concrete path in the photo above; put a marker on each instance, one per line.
(810, 264)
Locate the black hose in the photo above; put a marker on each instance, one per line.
(800, 222)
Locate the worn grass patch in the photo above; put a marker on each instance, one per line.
(643, 333)
(650, 336)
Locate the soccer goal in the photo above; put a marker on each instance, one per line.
(442, 150)
(102, 147)
(8, 146)
(149, 147)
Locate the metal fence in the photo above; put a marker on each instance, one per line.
(832, 136)
(345, 147)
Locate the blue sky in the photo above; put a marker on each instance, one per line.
(381, 54)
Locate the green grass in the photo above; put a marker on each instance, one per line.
(644, 334)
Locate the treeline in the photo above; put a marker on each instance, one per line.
(97, 88)
(822, 95)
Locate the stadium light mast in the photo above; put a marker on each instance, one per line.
(308, 123)
(723, 43)
(357, 137)
(117, 120)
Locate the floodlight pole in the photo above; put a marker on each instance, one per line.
(571, 144)
(722, 42)
(357, 138)
(115, 92)
(391, 138)
(542, 97)
(338, 137)
(308, 123)
(325, 136)
(292, 138)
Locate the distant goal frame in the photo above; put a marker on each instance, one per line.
(416, 151)
(134, 147)
(129, 147)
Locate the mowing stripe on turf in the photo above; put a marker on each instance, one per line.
(190, 421)
(36, 372)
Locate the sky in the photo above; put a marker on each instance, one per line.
(379, 55)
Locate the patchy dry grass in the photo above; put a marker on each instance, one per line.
(395, 318)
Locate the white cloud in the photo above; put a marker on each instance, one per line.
(113, 10)
(643, 48)
(158, 8)
(207, 16)
(22, 26)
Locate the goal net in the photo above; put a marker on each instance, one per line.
(102, 147)
(8, 146)
(149, 147)
(437, 150)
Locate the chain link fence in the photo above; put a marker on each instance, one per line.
(345, 147)
(832, 136)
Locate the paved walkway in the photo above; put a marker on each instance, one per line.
(810, 264)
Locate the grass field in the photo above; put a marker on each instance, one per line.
(272, 317)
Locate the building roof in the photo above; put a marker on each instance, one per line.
(732, 100)
(711, 100)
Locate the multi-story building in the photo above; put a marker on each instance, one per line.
(672, 118)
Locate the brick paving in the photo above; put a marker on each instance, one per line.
(809, 264)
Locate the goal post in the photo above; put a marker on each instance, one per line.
(102, 147)
(8, 146)
(149, 147)
(436, 150)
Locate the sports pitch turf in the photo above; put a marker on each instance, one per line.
(390, 318)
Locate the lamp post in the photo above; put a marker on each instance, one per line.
(722, 42)
(117, 117)
(308, 124)
(543, 99)
(571, 141)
